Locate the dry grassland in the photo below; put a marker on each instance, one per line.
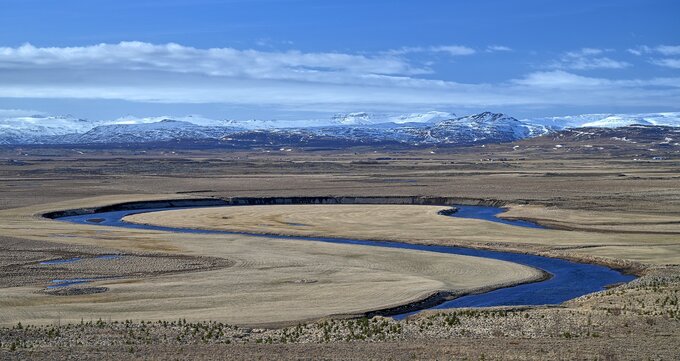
(615, 206)
(423, 224)
(267, 282)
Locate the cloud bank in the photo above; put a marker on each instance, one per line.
(660, 50)
(172, 73)
(588, 59)
(452, 50)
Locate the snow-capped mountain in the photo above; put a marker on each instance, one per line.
(364, 118)
(480, 128)
(164, 130)
(250, 124)
(483, 127)
(428, 117)
(671, 119)
(430, 128)
(359, 118)
(39, 128)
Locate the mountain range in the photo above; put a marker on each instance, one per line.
(360, 128)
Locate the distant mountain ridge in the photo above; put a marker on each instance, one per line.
(671, 119)
(360, 128)
(165, 130)
(364, 118)
(480, 128)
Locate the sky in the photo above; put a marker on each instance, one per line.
(299, 59)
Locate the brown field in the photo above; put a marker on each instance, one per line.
(611, 210)
(423, 224)
(261, 283)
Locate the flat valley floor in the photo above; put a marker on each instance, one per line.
(608, 209)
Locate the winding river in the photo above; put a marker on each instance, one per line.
(568, 279)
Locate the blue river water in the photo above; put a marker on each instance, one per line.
(567, 279)
(490, 214)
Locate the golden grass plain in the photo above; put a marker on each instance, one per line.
(423, 224)
(597, 197)
(270, 281)
(551, 185)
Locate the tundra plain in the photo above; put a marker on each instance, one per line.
(611, 210)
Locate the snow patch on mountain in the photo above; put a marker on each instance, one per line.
(432, 127)
(477, 128)
(428, 117)
(671, 119)
(46, 124)
(359, 118)
(39, 128)
(194, 119)
(164, 130)
(365, 118)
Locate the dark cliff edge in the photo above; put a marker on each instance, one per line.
(252, 201)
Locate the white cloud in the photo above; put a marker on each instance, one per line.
(557, 79)
(562, 80)
(667, 50)
(453, 50)
(497, 48)
(213, 62)
(640, 50)
(587, 51)
(635, 51)
(587, 59)
(664, 50)
(173, 73)
(667, 62)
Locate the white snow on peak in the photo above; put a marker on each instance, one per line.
(251, 124)
(23, 127)
(616, 121)
(428, 117)
(46, 125)
(366, 118)
(357, 118)
(671, 119)
(195, 119)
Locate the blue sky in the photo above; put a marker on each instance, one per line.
(299, 59)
